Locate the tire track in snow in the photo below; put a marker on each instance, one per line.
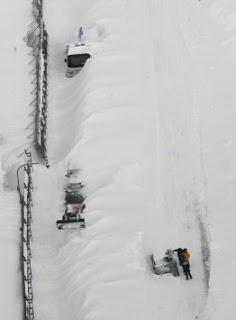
(206, 256)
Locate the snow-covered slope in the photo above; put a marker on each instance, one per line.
(127, 122)
(150, 123)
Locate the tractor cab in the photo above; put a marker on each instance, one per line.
(73, 217)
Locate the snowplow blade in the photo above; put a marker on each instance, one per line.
(67, 224)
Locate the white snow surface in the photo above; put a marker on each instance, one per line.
(150, 123)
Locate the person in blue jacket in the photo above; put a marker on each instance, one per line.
(173, 267)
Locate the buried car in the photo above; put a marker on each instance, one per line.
(76, 56)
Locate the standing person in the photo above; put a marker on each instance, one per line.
(186, 269)
(81, 207)
(186, 254)
(180, 255)
(73, 211)
(173, 267)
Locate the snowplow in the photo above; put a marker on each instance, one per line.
(161, 266)
(76, 56)
(73, 216)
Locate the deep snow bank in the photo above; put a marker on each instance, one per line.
(15, 99)
(124, 120)
(132, 120)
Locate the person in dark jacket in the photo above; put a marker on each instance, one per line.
(173, 267)
(186, 269)
(180, 255)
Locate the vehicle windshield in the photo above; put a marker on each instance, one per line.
(77, 60)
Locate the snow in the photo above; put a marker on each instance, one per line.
(77, 49)
(15, 98)
(150, 122)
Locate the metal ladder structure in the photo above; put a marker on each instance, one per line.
(25, 190)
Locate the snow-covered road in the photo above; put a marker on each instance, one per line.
(177, 154)
(150, 121)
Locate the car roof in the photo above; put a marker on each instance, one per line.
(74, 49)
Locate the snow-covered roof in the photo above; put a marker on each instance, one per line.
(77, 49)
